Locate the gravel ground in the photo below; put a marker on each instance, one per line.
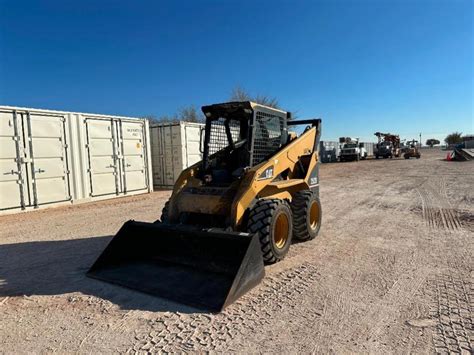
(391, 271)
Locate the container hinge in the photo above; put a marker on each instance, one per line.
(23, 160)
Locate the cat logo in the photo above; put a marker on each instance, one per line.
(313, 181)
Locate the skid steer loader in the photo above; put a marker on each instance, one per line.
(256, 189)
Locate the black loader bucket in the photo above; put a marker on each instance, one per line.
(207, 269)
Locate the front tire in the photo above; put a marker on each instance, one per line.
(273, 222)
(307, 215)
(164, 212)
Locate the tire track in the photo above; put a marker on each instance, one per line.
(436, 209)
(176, 332)
(453, 308)
(450, 213)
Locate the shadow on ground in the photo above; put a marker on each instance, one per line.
(59, 267)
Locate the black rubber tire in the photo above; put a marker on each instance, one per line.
(262, 218)
(300, 206)
(357, 157)
(164, 212)
(406, 156)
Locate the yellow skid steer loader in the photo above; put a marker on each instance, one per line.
(256, 188)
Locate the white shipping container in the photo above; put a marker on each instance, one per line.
(174, 147)
(369, 147)
(56, 157)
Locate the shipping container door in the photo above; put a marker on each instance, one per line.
(176, 154)
(192, 155)
(13, 186)
(102, 147)
(133, 167)
(156, 156)
(46, 147)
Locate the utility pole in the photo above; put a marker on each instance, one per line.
(420, 140)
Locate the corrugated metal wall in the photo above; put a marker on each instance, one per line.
(56, 157)
(174, 147)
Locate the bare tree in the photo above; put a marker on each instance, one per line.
(161, 119)
(186, 113)
(240, 94)
(190, 114)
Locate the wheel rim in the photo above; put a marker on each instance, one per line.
(314, 215)
(281, 231)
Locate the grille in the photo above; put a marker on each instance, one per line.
(267, 139)
(218, 138)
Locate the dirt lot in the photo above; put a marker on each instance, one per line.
(392, 271)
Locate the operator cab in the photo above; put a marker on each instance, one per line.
(238, 136)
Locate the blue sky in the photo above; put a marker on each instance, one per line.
(403, 66)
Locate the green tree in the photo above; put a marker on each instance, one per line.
(453, 138)
(431, 142)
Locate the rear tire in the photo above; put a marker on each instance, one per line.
(307, 215)
(272, 220)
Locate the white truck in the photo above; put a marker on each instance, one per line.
(351, 149)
